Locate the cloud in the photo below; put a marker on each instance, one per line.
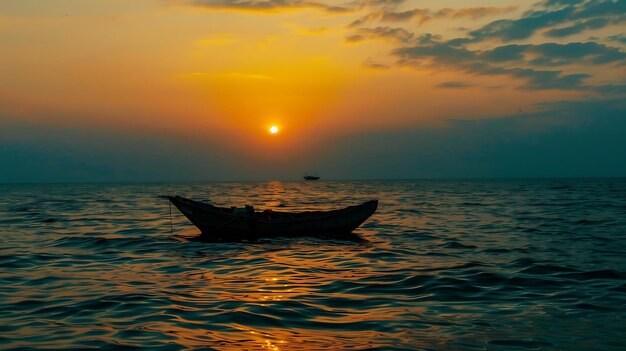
(512, 60)
(611, 89)
(394, 34)
(508, 30)
(553, 54)
(418, 15)
(454, 85)
(620, 38)
(559, 3)
(421, 15)
(578, 27)
(377, 3)
(590, 14)
(375, 65)
(521, 46)
(472, 12)
(540, 65)
(440, 52)
(268, 5)
(271, 6)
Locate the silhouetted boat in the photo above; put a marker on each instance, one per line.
(232, 224)
(308, 177)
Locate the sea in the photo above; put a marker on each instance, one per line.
(442, 265)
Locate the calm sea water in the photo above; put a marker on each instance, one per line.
(443, 265)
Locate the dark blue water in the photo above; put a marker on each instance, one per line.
(443, 265)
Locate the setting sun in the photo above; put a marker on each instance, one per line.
(273, 129)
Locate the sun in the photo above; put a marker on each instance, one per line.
(273, 129)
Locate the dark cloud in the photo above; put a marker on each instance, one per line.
(505, 53)
(395, 34)
(584, 15)
(620, 38)
(611, 89)
(594, 8)
(553, 54)
(559, 3)
(578, 27)
(454, 85)
(518, 61)
(539, 79)
(439, 52)
(508, 30)
(421, 15)
(545, 65)
(534, 79)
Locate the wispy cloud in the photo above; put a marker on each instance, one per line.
(454, 85)
(418, 15)
(473, 12)
(369, 63)
(268, 5)
(578, 27)
(396, 34)
(553, 54)
(421, 15)
(620, 38)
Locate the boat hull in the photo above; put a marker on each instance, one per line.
(222, 224)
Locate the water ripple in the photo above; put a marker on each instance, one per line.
(443, 265)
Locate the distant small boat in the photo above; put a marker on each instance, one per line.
(235, 224)
(308, 177)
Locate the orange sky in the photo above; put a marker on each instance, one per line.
(226, 71)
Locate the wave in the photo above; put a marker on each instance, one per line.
(442, 266)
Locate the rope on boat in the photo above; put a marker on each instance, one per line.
(171, 224)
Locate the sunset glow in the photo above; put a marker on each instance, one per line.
(308, 175)
(205, 74)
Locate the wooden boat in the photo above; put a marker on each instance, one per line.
(234, 224)
(309, 177)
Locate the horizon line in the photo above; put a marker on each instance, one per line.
(305, 181)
